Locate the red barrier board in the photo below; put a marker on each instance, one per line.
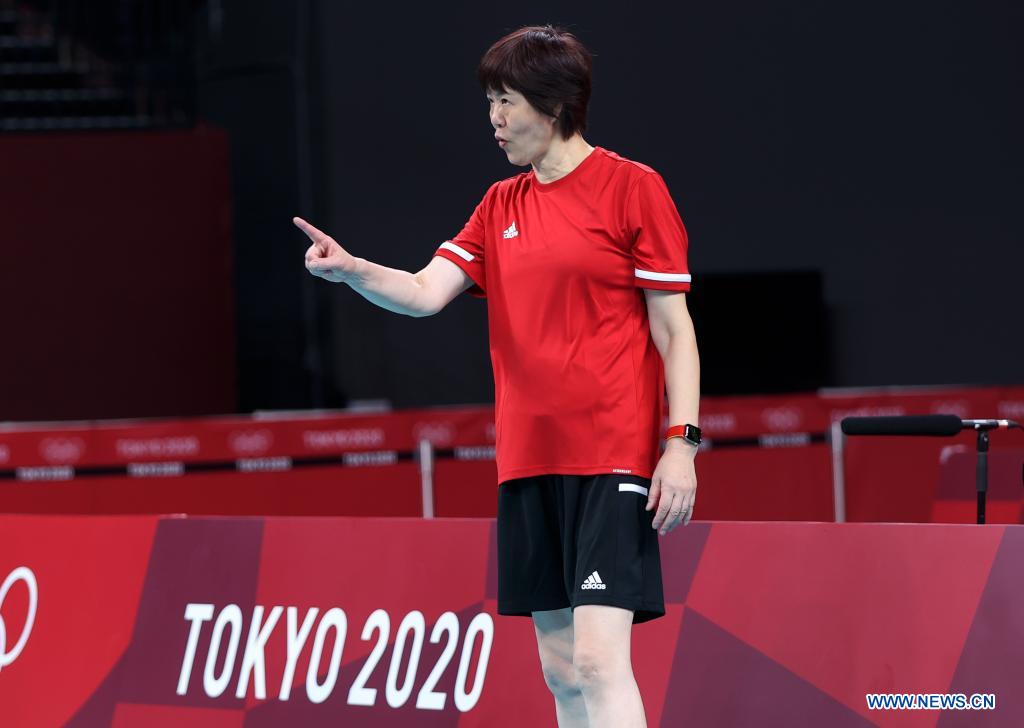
(391, 622)
(215, 439)
(766, 458)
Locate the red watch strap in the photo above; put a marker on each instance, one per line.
(675, 431)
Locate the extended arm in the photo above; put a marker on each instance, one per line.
(412, 294)
(674, 485)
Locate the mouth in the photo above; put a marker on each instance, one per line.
(501, 142)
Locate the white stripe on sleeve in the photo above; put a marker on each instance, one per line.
(665, 277)
(461, 252)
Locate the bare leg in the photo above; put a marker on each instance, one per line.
(604, 671)
(555, 644)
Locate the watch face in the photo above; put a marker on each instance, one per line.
(692, 433)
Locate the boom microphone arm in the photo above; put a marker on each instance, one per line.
(920, 425)
(935, 426)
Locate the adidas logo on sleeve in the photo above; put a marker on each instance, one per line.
(593, 582)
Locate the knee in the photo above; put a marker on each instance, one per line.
(560, 678)
(590, 671)
(593, 671)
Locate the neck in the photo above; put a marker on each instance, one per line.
(561, 158)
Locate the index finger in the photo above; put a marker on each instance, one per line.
(317, 236)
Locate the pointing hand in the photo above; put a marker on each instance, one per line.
(325, 258)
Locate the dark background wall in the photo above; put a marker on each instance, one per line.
(255, 79)
(877, 143)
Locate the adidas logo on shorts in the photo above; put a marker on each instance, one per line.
(593, 582)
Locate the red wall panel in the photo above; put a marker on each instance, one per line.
(116, 284)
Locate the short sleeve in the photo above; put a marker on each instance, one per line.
(659, 238)
(466, 249)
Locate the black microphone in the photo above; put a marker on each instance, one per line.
(918, 425)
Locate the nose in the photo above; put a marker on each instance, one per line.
(497, 119)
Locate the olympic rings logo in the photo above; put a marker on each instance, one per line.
(22, 573)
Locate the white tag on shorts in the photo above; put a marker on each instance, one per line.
(632, 488)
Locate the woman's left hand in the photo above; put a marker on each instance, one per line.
(674, 486)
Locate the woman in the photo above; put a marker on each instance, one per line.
(582, 260)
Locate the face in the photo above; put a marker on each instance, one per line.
(523, 132)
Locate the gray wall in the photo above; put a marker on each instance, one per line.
(878, 143)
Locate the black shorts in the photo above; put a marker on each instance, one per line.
(567, 540)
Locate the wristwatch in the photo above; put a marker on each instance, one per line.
(690, 433)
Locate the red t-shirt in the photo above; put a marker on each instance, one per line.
(579, 385)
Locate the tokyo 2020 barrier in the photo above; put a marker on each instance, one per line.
(210, 623)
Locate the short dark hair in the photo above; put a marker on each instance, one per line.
(549, 67)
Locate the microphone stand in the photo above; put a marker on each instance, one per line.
(981, 473)
(982, 427)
